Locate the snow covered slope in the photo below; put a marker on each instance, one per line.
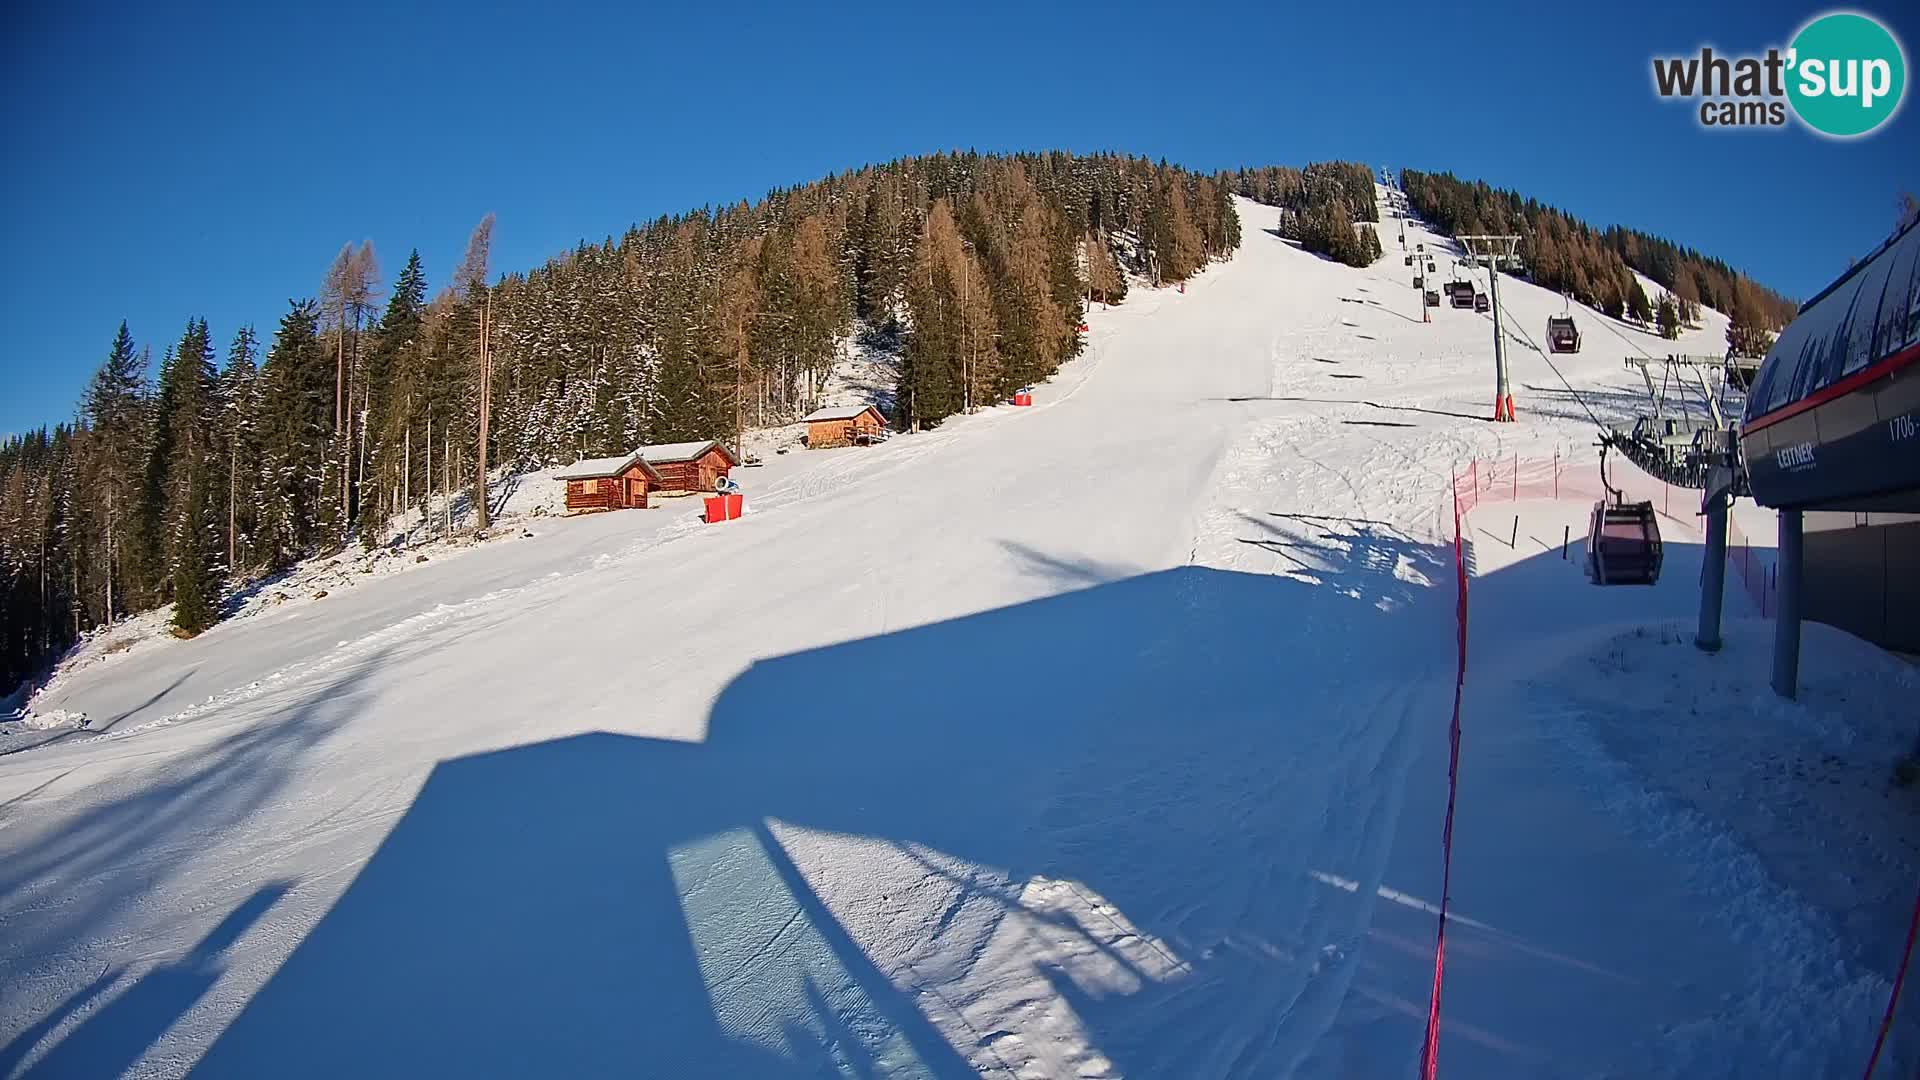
(1103, 737)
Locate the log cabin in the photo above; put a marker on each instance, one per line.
(846, 425)
(609, 483)
(689, 466)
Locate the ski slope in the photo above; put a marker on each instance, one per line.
(1104, 737)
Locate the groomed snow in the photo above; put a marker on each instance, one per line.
(1104, 737)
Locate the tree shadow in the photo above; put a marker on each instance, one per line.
(112, 1039)
(66, 879)
(147, 704)
(1357, 401)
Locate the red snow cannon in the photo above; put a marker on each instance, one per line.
(1023, 396)
(725, 507)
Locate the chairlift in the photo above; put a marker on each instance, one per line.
(1623, 538)
(1562, 335)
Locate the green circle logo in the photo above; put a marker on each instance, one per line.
(1847, 74)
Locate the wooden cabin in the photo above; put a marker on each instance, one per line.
(847, 425)
(610, 483)
(689, 466)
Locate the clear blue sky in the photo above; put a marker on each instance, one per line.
(168, 161)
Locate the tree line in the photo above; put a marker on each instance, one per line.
(1326, 206)
(231, 459)
(1595, 266)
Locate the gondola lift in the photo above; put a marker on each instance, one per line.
(1562, 335)
(1623, 538)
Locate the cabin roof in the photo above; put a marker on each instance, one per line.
(670, 453)
(839, 412)
(597, 468)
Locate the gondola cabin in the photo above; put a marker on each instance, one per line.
(1433, 298)
(1562, 335)
(610, 483)
(848, 425)
(1623, 544)
(1480, 302)
(689, 466)
(1460, 293)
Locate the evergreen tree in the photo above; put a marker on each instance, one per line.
(393, 376)
(115, 409)
(1668, 318)
(189, 397)
(295, 425)
(239, 437)
(1639, 309)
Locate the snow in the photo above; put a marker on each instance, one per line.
(665, 453)
(591, 468)
(1000, 749)
(844, 412)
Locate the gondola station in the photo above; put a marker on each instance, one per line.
(1831, 439)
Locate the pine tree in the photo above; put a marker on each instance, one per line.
(188, 396)
(238, 436)
(295, 424)
(1639, 309)
(1667, 317)
(116, 410)
(1747, 334)
(392, 373)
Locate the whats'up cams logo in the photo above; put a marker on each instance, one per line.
(1843, 75)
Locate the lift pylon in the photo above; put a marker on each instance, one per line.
(1492, 249)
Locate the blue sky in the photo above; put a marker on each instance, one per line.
(171, 161)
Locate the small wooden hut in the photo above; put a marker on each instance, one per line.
(609, 483)
(847, 425)
(689, 466)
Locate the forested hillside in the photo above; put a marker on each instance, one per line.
(1322, 206)
(178, 478)
(1592, 265)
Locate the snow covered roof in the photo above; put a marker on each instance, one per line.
(595, 468)
(664, 453)
(838, 412)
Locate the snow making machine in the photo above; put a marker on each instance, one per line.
(1623, 538)
(1562, 335)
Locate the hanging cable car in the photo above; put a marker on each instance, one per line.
(1562, 335)
(1480, 302)
(1460, 293)
(1623, 538)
